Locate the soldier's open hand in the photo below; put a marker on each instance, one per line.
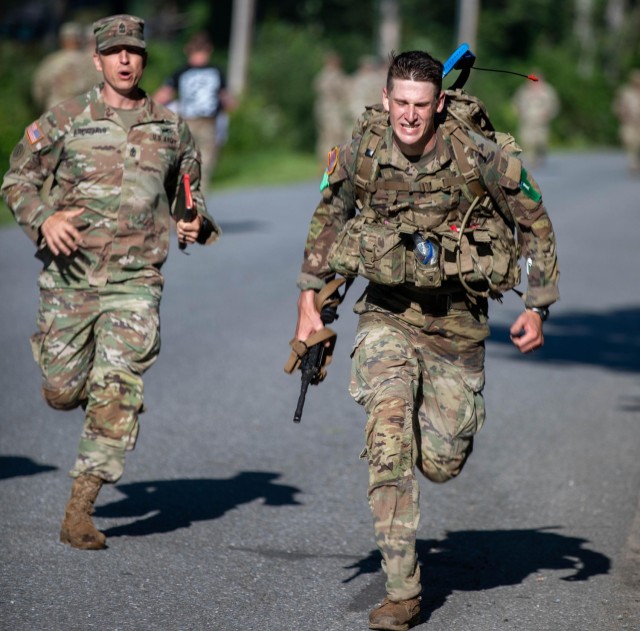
(61, 236)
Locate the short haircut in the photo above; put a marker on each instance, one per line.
(414, 65)
(198, 42)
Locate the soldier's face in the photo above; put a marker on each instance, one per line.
(122, 68)
(412, 106)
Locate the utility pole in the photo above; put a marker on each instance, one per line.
(468, 13)
(242, 19)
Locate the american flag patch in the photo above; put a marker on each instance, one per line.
(34, 133)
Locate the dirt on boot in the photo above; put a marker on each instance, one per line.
(392, 616)
(77, 528)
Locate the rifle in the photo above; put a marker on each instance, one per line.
(314, 355)
(184, 209)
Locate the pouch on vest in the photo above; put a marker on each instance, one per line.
(344, 254)
(421, 275)
(481, 255)
(382, 254)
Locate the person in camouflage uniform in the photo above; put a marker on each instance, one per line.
(365, 85)
(418, 358)
(536, 104)
(330, 107)
(66, 72)
(626, 107)
(102, 231)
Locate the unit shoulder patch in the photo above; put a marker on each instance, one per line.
(332, 163)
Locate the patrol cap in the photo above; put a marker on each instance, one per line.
(119, 30)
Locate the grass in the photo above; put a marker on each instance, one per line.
(261, 168)
(264, 168)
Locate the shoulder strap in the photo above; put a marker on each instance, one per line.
(367, 165)
(470, 173)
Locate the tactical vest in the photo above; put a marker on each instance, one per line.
(476, 244)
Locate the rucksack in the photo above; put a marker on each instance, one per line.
(482, 254)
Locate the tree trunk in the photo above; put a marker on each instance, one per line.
(583, 31)
(389, 30)
(240, 45)
(468, 12)
(615, 19)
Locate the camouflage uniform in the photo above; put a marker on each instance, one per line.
(98, 319)
(366, 86)
(537, 104)
(62, 75)
(627, 109)
(330, 108)
(418, 358)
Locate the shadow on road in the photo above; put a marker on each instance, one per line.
(18, 466)
(610, 340)
(476, 560)
(239, 227)
(178, 503)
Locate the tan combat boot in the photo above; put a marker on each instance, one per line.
(392, 616)
(77, 527)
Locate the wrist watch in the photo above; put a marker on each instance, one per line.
(543, 312)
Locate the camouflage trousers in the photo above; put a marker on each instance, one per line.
(92, 347)
(421, 389)
(204, 133)
(630, 136)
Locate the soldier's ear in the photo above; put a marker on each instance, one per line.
(145, 58)
(97, 62)
(385, 99)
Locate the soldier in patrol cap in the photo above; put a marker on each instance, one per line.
(418, 358)
(102, 232)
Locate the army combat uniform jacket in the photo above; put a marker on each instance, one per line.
(516, 196)
(124, 178)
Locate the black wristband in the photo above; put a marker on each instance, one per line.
(205, 230)
(543, 312)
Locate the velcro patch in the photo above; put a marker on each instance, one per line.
(34, 133)
(325, 181)
(527, 188)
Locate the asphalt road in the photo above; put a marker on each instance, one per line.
(231, 518)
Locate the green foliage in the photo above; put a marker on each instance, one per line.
(281, 76)
(275, 115)
(16, 106)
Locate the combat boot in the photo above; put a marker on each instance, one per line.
(392, 616)
(77, 527)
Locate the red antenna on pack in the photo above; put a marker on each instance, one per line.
(531, 77)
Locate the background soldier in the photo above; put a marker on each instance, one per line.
(365, 86)
(66, 72)
(103, 235)
(332, 120)
(418, 361)
(536, 104)
(201, 93)
(627, 108)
